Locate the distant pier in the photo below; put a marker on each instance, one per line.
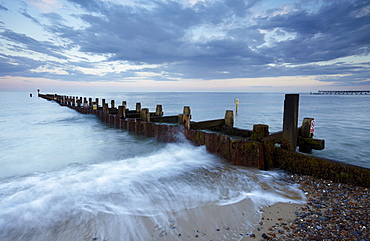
(342, 92)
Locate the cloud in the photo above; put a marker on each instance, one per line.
(16, 66)
(334, 31)
(22, 42)
(210, 39)
(3, 8)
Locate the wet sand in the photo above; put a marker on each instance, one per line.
(334, 211)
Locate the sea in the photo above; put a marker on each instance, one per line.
(69, 176)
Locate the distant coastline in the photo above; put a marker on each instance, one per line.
(341, 92)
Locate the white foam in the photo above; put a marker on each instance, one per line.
(174, 179)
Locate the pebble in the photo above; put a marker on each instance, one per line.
(334, 211)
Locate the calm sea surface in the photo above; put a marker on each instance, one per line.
(68, 176)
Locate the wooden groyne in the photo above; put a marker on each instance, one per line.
(342, 92)
(252, 148)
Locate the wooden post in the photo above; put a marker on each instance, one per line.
(229, 118)
(105, 107)
(112, 104)
(124, 103)
(259, 132)
(120, 111)
(97, 102)
(289, 140)
(145, 115)
(306, 131)
(187, 110)
(103, 102)
(180, 119)
(186, 121)
(90, 101)
(138, 107)
(124, 109)
(158, 110)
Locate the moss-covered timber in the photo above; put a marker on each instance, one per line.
(322, 168)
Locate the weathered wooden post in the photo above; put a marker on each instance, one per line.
(124, 107)
(103, 102)
(97, 102)
(187, 110)
(158, 110)
(186, 121)
(90, 101)
(229, 118)
(145, 115)
(289, 140)
(259, 132)
(86, 104)
(138, 107)
(307, 128)
(112, 104)
(306, 134)
(105, 107)
(120, 111)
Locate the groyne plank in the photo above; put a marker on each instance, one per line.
(299, 163)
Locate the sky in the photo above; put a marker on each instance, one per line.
(184, 45)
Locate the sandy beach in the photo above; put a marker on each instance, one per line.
(334, 211)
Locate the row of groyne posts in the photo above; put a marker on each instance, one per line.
(251, 148)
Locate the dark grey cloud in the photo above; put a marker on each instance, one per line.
(90, 5)
(159, 35)
(17, 66)
(22, 42)
(3, 8)
(25, 14)
(334, 31)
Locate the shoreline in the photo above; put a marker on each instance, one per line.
(277, 215)
(334, 211)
